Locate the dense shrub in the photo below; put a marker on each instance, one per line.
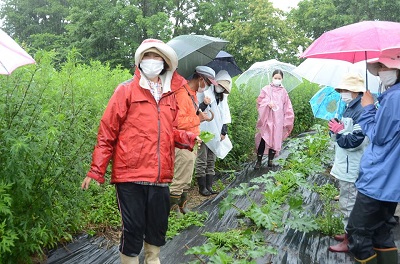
(48, 126)
(300, 97)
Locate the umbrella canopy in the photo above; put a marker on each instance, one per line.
(225, 61)
(330, 72)
(195, 50)
(260, 75)
(327, 104)
(355, 42)
(12, 55)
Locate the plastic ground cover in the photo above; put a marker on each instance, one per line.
(293, 247)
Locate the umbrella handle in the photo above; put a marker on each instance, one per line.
(212, 115)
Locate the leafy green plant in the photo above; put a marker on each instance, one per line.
(328, 222)
(103, 213)
(7, 234)
(233, 246)
(177, 224)
(281, 205)
(300, 97)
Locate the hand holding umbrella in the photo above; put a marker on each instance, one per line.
(367, 99)
(335, 126)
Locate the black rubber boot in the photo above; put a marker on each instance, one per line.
(183, 202)
(271, 155)
(174, 201)
(258, 163)
(209, 184)
(201, 181)
(386, 255)
(370, 260)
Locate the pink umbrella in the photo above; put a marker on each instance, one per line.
(356, 42)
(12, 55)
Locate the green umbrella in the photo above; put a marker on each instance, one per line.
(195, 50)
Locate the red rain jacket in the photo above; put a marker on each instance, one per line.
(138, 135)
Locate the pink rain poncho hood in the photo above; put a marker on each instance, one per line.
(273, 125)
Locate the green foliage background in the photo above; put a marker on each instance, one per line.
(48, 127)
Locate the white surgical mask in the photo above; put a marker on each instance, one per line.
(151, 68)
(276, 82)
(219, 89)
(388, 78)
(202, 89)
(346, 97)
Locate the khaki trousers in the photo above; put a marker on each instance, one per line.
(183, 171)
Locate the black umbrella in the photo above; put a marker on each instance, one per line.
(225, 61)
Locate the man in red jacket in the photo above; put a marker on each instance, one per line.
(136, 132)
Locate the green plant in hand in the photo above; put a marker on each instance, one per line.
(206, 136)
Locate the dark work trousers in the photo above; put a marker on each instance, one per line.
(144, 211)
(370, 225)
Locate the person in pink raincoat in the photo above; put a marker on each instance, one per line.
(275, 119)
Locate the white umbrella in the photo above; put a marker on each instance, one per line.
(12, 55)
(330, 72)
(260, 75)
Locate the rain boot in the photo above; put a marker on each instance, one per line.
(182, 203)
(370, 260)
(258, 163)
(174, 201)
(201, 181)
(209, 184)
(128, 260)
(151, 254)
(271, 155)
(341, 247)
(386, 255)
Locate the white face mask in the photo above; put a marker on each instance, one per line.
(219, 89)
(388, 78)
(276, 82)
(151, 68)
(202, 89)
(346, 97)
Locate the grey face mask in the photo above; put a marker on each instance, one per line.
(388, 78)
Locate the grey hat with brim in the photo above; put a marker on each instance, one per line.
(206, 72)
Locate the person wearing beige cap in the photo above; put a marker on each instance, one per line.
(371, 222)
(137, 134)
(190, 115)
(350, 143)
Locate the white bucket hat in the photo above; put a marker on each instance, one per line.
(352, 82)
(159, 47)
